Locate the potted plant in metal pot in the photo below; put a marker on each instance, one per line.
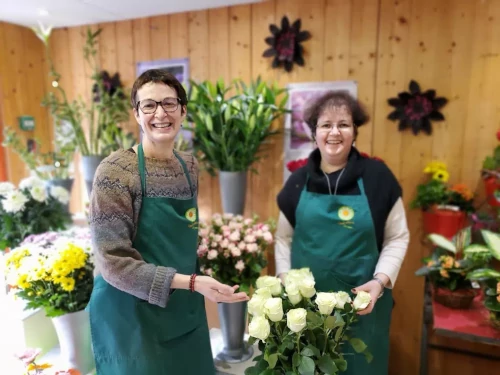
(230, 126)
(444, 207)
(107, 110)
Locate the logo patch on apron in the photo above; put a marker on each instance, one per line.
(346, 214)
(191, 215)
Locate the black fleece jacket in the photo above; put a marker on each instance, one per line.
(381, 187)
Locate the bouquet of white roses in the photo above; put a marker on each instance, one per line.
(302, 331)
(30, 209)
(232, 249)
(53, 271)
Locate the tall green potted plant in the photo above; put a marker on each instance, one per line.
(107, 109)
(231, 124)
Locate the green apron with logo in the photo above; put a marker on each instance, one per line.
(335, 237)
(133, 337)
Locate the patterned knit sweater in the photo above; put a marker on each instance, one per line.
(115, 204)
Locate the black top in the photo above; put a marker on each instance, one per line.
(381, 187)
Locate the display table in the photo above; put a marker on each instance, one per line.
(229, 368)
(469, 324)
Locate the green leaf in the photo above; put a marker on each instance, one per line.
(296, 359)
(307, 366)
(493, 241)
(474, 249)
(491, 292)
(341, 364)
(314, 319)
(252, 340)
(368, 356)
(327, 365)
(272, 359)
(492, 304)
(483, 273)
(252, 371)
(358, 345)
(442, 242)
(330, 322)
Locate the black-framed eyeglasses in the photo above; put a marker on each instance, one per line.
(149, 106)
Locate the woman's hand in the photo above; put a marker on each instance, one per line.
(373, 288)
(218, 292)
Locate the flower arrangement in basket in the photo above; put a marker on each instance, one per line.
(53, 271)
(490, 278)
(232, 248)
(491, 176)
(301, 331)
(29, 209)
(28, 358)
(449, 266)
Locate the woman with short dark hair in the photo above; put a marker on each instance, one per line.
(147, 311)
(342, 216)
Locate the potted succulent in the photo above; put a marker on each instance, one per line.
(444, 207)
(490, 278)
(448, 266)
(491, 176)
(230, 126)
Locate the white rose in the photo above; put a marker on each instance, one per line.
(342, 299)
(326, 302)
(296, 276)
(296, 319)
(264, 292)
(14, 201)
(306, 287)
(212, 254)
(259, 328)
(39, 193)
(6, 187)
(362, 300)
(273, 283)
(273, 308)
(256, 304)
(293, 293)
(60, 193)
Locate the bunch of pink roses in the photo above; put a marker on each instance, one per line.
(232, 248)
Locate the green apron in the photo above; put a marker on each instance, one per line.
(133, 337)
(334, 236)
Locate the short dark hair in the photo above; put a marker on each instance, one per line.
(336, 99)
(158, 76)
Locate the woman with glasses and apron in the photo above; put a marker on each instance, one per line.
(343, 217)
(147, 310)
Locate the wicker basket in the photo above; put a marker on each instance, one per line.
(458, 299)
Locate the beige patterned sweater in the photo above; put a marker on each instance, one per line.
(115, 204)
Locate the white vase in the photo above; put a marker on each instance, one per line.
(75, 343)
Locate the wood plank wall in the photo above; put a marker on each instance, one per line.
(22, 87)
(452, 46)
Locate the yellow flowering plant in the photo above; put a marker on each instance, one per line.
(300, 330)
(53, 271)
(437, 192)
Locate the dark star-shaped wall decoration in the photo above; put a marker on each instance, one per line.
(416, 109)
(285, 44)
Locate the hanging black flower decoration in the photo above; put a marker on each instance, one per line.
(285, 44)
(110, 85)
(416, 109)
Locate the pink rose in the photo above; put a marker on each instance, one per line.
(235, 236)
(212, 254)
(240, 266)
(250, 238)
(235, 252)
(268, 237)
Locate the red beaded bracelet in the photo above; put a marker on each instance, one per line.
(191, 282)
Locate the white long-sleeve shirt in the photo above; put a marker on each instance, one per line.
(395, 245)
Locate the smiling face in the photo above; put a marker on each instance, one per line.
(159, 127)
(335, 134)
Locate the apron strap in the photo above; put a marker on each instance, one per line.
(361, 186)
(142, 169)
(186, 172)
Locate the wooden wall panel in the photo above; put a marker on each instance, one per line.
(22, 80)
(452, 46)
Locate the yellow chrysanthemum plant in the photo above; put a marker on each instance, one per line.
(437, 192)
(55, 274)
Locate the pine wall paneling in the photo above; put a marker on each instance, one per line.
(452, 46)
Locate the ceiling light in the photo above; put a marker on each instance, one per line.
(43, 12)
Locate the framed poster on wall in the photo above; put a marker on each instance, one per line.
(298, 138)
(180, 69)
